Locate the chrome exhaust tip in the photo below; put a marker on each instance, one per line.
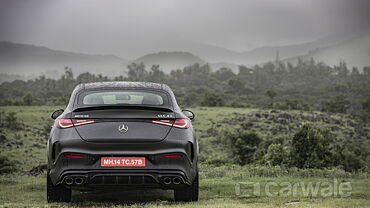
(68, 181)
(79, 181)
(167, 180)
(176, 180)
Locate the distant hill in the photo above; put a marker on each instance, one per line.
(355, 52)
(215, 54)
(169, 60)
(27, 60)
(23, 61)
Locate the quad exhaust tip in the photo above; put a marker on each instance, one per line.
(69, 181)
(79, 181)
(176, 180)
(74, 181)
(167, 180)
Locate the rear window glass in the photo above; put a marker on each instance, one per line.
(123, 98)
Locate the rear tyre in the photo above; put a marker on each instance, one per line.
(189, 193)
(57, 193)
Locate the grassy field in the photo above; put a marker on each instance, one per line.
(217, 184)
(26, 191)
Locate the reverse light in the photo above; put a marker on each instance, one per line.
(178, 123)
(67, 123)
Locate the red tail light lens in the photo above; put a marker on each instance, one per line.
(181, 123)
(67, 123)
(164, 122)
(172, 156)
(78, 122)
(74, 156)
(178, 123)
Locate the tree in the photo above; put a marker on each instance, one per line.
(366, 105)
(271, 94)
(27, 99)
(136, 72)
(212, 99)
(156, 75)
(236, 85)
(338, 104)
(224, 74)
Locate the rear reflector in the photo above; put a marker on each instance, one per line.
(172, 156)
(178, 123)
(66, 122)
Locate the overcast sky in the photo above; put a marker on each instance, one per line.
(113, 26)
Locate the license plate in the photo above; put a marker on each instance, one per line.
(122, 162)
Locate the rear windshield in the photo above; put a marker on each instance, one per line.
(123, 98)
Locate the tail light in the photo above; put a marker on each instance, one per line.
(66, 122)
(179, 123)
(167, 156)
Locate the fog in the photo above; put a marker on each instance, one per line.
(133, 28)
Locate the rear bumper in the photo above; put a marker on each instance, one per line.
(124, 179)
(87, 173)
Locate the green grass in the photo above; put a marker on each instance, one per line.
(21, 191)
(217, 184)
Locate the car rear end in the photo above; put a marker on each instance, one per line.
(122, 139)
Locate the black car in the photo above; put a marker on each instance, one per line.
(119, 136)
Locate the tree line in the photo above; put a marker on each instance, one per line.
(307, 85)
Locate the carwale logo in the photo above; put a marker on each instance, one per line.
(301, 188)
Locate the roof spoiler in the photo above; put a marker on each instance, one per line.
(109, 107)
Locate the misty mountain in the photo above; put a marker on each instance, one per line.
(355, 52)
(29, 60)
(270, 53)
(169, 60)
(215, 54)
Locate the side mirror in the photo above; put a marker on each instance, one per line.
(57, 113)
(188, 114)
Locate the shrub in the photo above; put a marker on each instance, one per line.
(9, 120)
(243, 144)
(311, 148)
(212, 99)
(237, 104)
(7, 165)
(338, 104)
(366, 105)
(276, 154)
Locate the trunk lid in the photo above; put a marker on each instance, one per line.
(123, 125)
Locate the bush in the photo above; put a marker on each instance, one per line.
(212, 99)
(292, 104)
(7, 165)
(338, 104)
(276, 154)
(311, 148)
(243, 145)
(236, 104)
(9, 120)
(366, 105)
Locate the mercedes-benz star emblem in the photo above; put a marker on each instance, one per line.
(123, 128)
